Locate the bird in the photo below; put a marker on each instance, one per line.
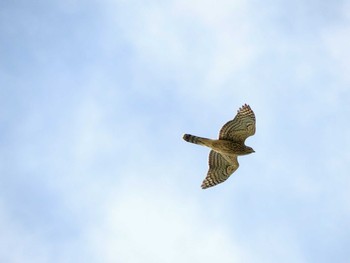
(230, 144)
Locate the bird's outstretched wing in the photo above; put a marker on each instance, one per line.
(220, 168)
(241, 127)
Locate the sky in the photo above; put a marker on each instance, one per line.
(96, 95)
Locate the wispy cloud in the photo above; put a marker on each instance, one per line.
(96, 97)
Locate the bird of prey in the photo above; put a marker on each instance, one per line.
(224, 151)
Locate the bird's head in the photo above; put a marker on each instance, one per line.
(249, 150)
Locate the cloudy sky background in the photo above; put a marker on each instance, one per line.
(95, 97)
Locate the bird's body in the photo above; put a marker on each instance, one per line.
(221, 146)
(223, 156)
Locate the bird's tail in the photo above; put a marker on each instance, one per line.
(196, 140)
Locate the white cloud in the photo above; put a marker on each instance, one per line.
(143, 222)
(120, 171)
(337, 42)
(198, 46)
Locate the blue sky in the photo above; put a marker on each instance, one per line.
(95, 97)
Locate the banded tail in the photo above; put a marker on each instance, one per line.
(196, 140)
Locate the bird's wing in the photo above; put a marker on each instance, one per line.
(241, 127)
(220, 168)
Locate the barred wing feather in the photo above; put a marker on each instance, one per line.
(241, 127)
(220, 168)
